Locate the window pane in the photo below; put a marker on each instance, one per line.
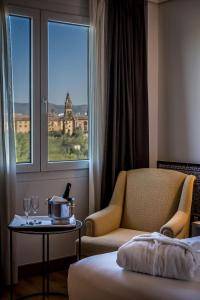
(67, 92)
(21, 62)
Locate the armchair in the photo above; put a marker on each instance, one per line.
(144, 200)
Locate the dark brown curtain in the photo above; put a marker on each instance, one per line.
(126, 137)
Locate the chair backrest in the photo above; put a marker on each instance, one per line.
(152, 197)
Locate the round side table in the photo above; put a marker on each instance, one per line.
(45, 232)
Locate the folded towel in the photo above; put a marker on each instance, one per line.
(163, 256)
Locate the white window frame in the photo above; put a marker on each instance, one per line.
(45, 164)
(39, 111)
(34, 15)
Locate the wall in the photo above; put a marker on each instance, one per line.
(179, 81)
(153, 81)
(46, 184)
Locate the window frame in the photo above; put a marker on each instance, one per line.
(39, 103)
(34, 15)
(63, 18)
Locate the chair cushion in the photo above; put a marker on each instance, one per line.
(152, 198)
(106, 243)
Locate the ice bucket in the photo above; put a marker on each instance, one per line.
(59, 210)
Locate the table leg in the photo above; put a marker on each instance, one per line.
(47, 263)
(11, 266)
(43, 265)
(79, 244)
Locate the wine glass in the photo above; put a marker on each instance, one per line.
(35, 205)
(27, 207)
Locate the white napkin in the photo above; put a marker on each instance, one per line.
(57, 199)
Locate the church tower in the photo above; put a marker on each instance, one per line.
(68, 107)
(68, 121)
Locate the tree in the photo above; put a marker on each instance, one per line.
(23, 151)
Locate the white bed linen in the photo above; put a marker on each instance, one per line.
(100, 278)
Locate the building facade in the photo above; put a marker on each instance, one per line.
(22, 123)
(66, 123)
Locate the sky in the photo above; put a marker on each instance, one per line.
(67, 61)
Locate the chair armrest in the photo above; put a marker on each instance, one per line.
(181, 218)
(103, 221)
(186, 196)
(109, 218)
(175, 225)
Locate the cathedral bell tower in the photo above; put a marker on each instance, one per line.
(68, 107)
(68, 120)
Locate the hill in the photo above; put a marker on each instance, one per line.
(23, 108)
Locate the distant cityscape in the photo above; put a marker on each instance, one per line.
(67, 121)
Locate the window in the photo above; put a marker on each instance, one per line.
(22, 83)
(50, 89)
(67, 91)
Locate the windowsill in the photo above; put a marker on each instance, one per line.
(53, 166)
(51, 175)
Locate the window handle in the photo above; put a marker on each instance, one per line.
(45, 102)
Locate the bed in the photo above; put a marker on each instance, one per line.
(100, 278)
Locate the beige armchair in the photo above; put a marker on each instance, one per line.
(144, 200)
